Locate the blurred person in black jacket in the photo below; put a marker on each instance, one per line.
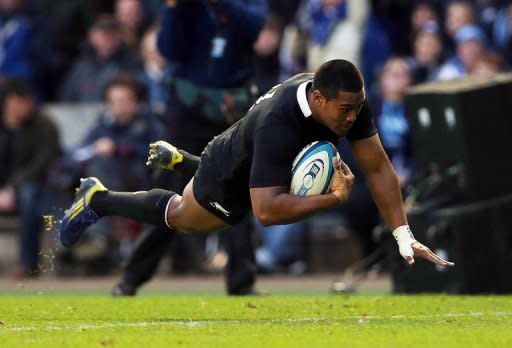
(211, 45)
(29, 143)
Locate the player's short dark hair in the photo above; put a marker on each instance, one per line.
(336, 76)
(126, 80)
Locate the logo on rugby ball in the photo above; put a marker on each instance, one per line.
(312, 169)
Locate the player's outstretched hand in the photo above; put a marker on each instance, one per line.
(409, 247)
(163, 155)
(424, 252)
(342, 180)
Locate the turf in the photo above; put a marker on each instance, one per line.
(268, 321)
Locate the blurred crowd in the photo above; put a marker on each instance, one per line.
(158, 83)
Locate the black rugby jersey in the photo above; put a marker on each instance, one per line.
(258, 150)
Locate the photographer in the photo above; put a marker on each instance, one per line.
(211, 45)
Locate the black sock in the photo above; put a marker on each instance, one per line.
(143, 206)
(189, 165)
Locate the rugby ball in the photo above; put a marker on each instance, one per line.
(312, 169)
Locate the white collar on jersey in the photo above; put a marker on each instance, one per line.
(302, 98)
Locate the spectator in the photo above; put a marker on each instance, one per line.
(459, 13)
(427, 53)
(281, 248)
(116, 144)
(377, 42)
(502, 33)
(389, 113)
(15, 29)
(423, 12)
(487, 14)
(52, 52)
(28, 145)
(471, 45)
(155, 74)
(130, 16)
(211, 43)
(103, 58)
(487, 65)
(502, 25)
(269, 42)
(336, 30)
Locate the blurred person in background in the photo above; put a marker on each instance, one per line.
(388, 107)
(377, 45)
(487, 65)
(132, 22)
(281, 249)
(487, 13)
(29, 143)
(502, 32)
(15, 40)
(117, 144)
(104, 56)
(267, 46)
(423, 12)
(211, 45)
(471, 45)
(335, 30)
(155, 74)
(428, 53)
(387, 31)
(459, 13)
(52, 53)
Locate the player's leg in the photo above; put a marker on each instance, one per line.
(187, 215)
(93, 201)
(188, 165)
(157, 207)
(167, 156)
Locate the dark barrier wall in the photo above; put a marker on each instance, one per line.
(466, 125)
(461, 134)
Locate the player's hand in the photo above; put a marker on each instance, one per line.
(422, 251)
(342, 181)
(409, 247)
(163, 155)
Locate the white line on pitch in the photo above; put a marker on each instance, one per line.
(196, 323)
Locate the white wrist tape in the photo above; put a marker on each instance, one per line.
(404, 238)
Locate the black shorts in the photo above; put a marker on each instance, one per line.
(221, 198)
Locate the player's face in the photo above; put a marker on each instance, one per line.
(339, 114)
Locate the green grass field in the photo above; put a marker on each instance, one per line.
(267, 321)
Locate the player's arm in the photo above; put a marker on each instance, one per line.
(385, 189)
(381, 179)
(274, 205)
(275, 147)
